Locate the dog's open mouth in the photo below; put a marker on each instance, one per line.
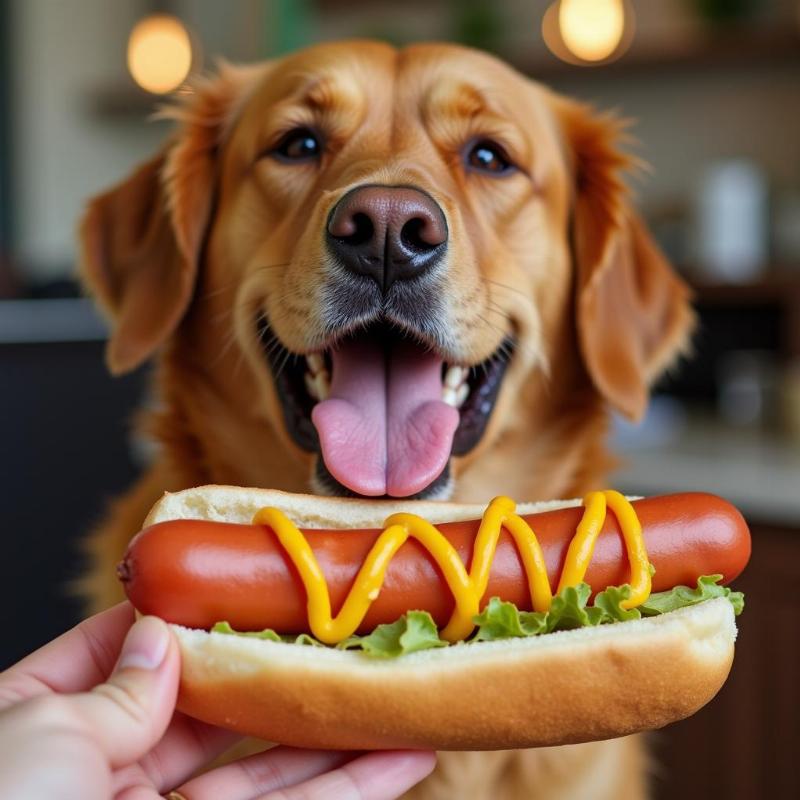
(383, 411)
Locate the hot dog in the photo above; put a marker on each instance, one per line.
(199, 561)
(197, 572)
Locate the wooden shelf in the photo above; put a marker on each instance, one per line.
(124, 101)
(743, 744)
(777, 292)
(735, 49)
(745, 45)
(777, 286)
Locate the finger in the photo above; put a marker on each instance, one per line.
(129, 713)
(187, 745)
(264, 772)
(75, 661)
(375, 776)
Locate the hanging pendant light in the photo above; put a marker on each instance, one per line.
(159, 53)
(588, 32)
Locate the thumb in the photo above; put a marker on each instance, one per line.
(129, 713)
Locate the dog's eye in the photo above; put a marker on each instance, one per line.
(301, 144)
(486, 156)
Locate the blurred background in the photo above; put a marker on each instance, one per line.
(714, 87)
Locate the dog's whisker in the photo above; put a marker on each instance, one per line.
(230, 339)
(238, 364)
(526, 347)
(265, 334)
(218, 291)
(283, 363)
(268, 267)
(501, 312)
(268, 343)
(274, 347)
(490, 324)
(272, 342)
(505, 351)
(223, 316)
(226, 348)
(514, 289)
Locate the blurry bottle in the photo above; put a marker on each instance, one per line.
(731, 222)
(748, 389)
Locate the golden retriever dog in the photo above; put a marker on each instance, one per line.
(374, 271)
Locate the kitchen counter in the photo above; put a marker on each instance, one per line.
(50, 320)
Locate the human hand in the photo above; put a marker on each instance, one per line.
(74, 725)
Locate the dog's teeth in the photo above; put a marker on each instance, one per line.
(462, 393)
(318, 386)
(315, 362)
(449, 396)
(311, 385)
(454, 377)
(323, 384)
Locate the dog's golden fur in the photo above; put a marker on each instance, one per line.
(185, 253)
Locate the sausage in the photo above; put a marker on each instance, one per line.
(196, 572)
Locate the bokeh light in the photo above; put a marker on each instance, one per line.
(591, 29)
(159, 53)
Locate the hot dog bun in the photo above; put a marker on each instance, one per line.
(237, 504)
(560, 688)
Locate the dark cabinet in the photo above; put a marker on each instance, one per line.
(64, 441)
(745, 743)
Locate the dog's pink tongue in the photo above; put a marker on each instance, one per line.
(384, 428)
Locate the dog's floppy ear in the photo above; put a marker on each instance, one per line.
(633, 313)
(140, 241)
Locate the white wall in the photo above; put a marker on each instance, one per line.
(63, 53)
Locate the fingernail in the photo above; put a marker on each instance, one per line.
(145, 645)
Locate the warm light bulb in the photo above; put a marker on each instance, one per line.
(591, 29)
(159, 53)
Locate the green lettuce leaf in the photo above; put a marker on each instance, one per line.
(502, 620)
(414, 631)
(681, 596)
(499, 619)
(268, 634)
(610, 601)
(569, 610)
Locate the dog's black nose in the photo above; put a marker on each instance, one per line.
(387, 233)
